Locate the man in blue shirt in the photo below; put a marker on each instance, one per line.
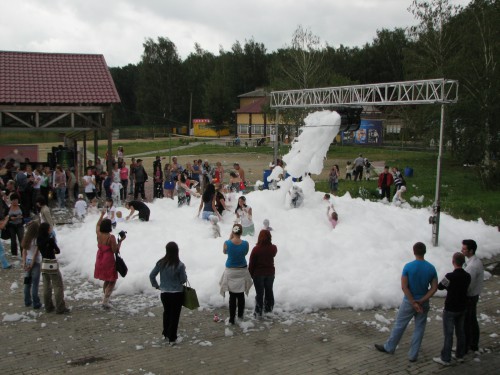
(415, 281)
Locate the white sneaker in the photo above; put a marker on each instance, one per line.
(440, 361)
(459, 360)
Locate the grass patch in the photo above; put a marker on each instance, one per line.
(25, 137)
(462, 194)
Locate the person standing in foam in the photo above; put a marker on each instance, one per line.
(244, 213)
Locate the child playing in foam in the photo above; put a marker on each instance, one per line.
(267, 225)
(214, 220)
(115, 193)
(332, 215)
(119, 217)
(80, 208)
(93, 208)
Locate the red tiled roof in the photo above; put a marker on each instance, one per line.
(55, 78)
(255, 107)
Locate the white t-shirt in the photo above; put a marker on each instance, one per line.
(80, 208)
(38, 180)
(111, 214)
(115, 189)
(89, 188)
(116, 175)
(31, 252)
(246, 219)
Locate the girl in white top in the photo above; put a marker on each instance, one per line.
(116, 188)
(31, 262)
(244, 213)
(89, 183)
(110, 211)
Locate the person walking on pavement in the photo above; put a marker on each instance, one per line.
(236, 279)
(474, 267)
(456, 283)
(172, 277)
(415, 280)
(52, 279)
(261, 268)
(140, 178)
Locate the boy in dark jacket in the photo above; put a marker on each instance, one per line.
(456, 283)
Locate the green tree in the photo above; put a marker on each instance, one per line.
(219, 100)
(435, 42)
(197, 69)
(126, 81)
(388, 55)
(476, 128)
(162, 97)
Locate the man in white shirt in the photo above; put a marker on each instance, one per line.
(474, 267)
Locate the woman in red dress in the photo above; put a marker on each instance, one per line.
(105, 268)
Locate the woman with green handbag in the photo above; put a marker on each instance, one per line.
(172, 277)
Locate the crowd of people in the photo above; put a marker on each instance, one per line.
(28, 223)
(361, 166)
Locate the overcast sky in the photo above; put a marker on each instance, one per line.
(118, 28)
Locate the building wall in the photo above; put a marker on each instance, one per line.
(257, 119)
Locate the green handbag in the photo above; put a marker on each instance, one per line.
(190, 300)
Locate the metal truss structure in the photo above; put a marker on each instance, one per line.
(431, 91)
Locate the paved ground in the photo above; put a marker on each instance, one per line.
(127, 339)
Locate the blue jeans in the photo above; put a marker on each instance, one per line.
(453, 321)
(3, 259)
(264, 298)
(31, 283)
(405, 314)
(61, 196)
(205, 215)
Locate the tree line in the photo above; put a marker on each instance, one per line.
(446, 41)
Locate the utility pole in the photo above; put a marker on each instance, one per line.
(190, 113)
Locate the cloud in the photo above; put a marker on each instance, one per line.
(117, 29)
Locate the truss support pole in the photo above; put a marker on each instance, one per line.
(276, 136)
(437, 199)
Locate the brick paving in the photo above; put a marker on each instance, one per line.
(127, 339)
